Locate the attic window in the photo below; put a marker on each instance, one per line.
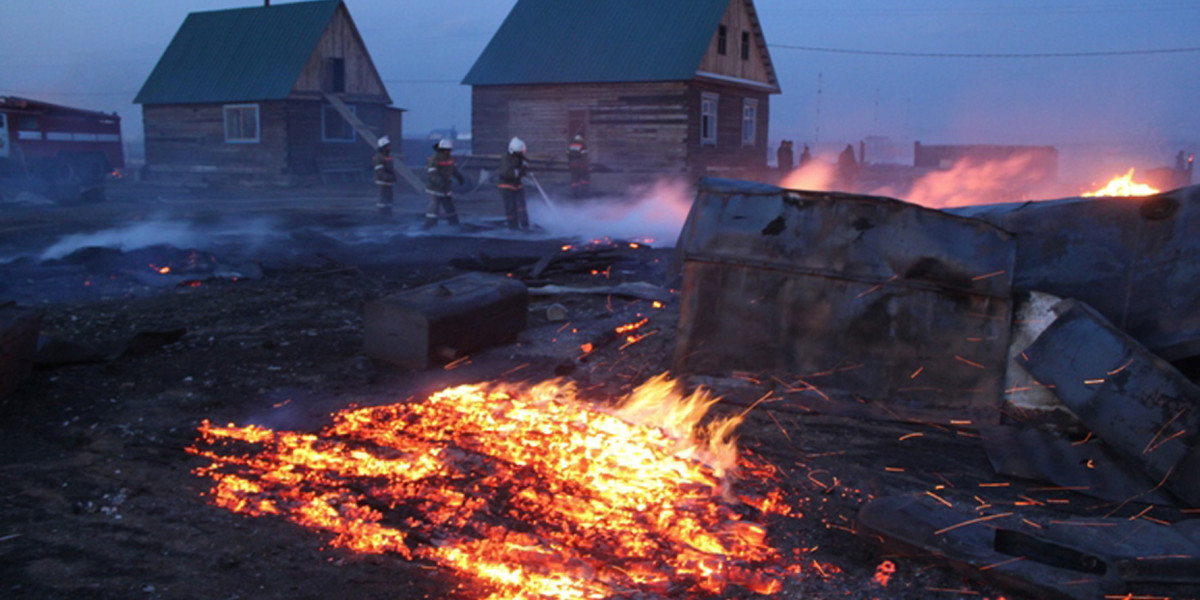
(335, 80)
(241, 124)
(722, 40)
(745, 45)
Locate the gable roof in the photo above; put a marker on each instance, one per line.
(589, 41)
(239, 54)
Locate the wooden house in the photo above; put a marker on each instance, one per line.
(669, 86)
(242, 96)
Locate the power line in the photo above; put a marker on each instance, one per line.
(985, 54)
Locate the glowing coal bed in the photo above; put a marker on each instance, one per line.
(526, 492)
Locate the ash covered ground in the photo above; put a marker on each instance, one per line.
(260, 320)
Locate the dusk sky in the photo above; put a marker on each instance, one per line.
(97, 53)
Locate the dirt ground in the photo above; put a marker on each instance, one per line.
(98, 499)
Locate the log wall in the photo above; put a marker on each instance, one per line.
(630, 127)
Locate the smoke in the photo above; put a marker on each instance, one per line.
(816, 175)
(653, 213)
(972, 182)
(178, 234)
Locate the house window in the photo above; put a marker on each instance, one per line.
(749, 121)
(708, 119)
(745, 45)
(241, 124)
(336, 78)
(722, 40)
(334, 127)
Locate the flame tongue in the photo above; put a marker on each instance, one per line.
(1123, 186)
(531, 492)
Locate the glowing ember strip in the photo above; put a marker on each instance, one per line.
(1165, 440)
(973, 364)
(954, 591)
(1143, 512)
(1083, 524)
(973, 522)
(626, 328)
(894, 469)
(909, 436)
(869, 290)
(939, 499)
(960, 421)
(1121, 368)
(989, 275)
(514, 370)
(1001, 563)
(1032, 524)
(456, 363)
(1151, 445)
(917, 372)
(605, 506)
(1087, 438)
(633, 339)
(1093, 381)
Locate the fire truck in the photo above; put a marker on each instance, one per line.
(59, 152)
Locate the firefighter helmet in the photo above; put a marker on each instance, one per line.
(516, 146)
(578, 138)
(383, 141)
(445, 144)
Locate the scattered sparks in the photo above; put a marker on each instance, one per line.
(972, 522)
(604, 503)
(884, 572)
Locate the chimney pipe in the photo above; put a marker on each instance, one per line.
(266, 2)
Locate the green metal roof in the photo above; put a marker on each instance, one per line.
(241, 54)
(589, 41)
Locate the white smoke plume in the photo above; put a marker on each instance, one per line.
(652, 213)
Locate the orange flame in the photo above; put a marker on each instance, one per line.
(530, 492)
(1123, 185)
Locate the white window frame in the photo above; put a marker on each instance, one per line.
(325, 112)
(749, 121)
(709, 103)
(240, 109)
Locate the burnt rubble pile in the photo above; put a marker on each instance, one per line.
(1054, 330)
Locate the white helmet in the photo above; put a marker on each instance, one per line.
(383, 141)
(445, 144)
(516, 146)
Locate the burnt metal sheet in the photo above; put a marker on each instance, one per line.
(1044, 557)
(1135, 260)
(1092, 468)
(1133, 400)
(864, 297)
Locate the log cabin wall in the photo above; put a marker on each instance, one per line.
(628, 126)
(729, 155)
(186, 143)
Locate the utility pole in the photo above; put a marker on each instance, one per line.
(817, 135)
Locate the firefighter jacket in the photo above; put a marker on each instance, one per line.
(385, 171)
(440, 170)
(577, 156)
(512, 168)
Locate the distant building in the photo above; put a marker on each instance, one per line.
(239, 95)
(668, 86)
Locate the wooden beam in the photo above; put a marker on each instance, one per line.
(369, 136)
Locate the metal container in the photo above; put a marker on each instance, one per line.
(868, 299)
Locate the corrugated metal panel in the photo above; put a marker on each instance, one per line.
(892, 304)
(1132, 259)
(244, 54)
(586, 41)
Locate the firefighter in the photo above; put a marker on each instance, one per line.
(513, 167)
(784, 157)
(847, 167)
(805, 157)
(385, 176)
(577, 162)
(440, 168)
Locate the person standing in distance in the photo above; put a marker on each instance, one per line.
(513, 168)
(385, 176)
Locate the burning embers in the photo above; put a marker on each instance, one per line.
(531, 492)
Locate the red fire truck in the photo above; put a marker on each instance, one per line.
(59, 152)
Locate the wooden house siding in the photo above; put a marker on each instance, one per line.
(737, 20)
(341, 40)
(728, 152)
(188, 141)
(635, 127)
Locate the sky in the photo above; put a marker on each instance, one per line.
(848, 68)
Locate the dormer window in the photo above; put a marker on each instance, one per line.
(722, 40)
